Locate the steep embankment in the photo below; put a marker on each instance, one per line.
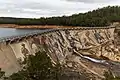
(88, 51)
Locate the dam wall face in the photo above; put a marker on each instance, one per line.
(63, 46)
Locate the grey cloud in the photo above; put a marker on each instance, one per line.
(39, 8)
(46, 7)
(90, 1)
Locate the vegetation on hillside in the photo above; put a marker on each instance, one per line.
(99, 17)
(2, 74)
(109, 76)
(40, 67)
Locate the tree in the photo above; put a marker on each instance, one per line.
(38, 67)
(2, 73)
(99, 17)
(109, 76)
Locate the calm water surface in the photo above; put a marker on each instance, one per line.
(8, 32)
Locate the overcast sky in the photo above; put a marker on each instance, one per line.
(46, 8)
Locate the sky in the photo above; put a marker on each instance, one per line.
(48, 8)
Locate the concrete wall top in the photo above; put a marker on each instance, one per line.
(17, 38)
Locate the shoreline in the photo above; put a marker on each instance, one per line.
(32, 26)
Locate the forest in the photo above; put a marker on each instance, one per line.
(99, 17)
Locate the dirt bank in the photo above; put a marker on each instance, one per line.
(32, 26)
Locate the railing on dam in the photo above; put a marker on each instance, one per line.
(19, 37)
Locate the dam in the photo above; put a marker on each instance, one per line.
(67, 46)
(8, 33)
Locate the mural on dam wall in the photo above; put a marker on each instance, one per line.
(97, 43)
(12, 55)
(64, 46)
(25, 48)
(8, 60)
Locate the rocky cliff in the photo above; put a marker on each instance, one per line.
(88, 51)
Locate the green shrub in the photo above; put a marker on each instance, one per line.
(38, 67)
(109, 76)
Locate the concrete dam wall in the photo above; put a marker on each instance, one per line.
(67, 46)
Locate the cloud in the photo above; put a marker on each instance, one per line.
(46, 8)
(91, 1)
(40, 8)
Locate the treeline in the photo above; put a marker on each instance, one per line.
(99, 17)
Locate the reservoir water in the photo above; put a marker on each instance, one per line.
(8, 32)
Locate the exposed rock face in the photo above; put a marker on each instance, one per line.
(89, 52)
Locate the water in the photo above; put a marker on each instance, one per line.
(9, 32)
(95, 60)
